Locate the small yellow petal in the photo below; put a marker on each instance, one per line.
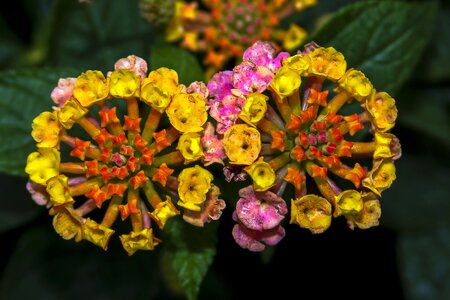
(242, 144)
(193, 185)
(43, 165)
(311, 212)
(141, 240)
(356, 84)
(124, 83)
(46, 130)
(286, 81)
(90, 87)
(58, 189)
(189, 145)
(97, 234)
(187, 112)
(262, 174)
(254, 109)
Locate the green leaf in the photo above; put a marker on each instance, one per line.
(191, 251)
(186, 65)
(436, 59)
(424, 264)
(44, 266)
(18, 208)
(418, 198)
(383, 39)
(426, 111)
(95, 35)
(23, 95)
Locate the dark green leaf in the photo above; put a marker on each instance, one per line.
(424, 264)
(383, 39)
(426, 111)
(95, 35)
(17, 206)
(191, 251)
(23, 95)
(44, 266)
(436, 61)
(180, 60)
(418, 199)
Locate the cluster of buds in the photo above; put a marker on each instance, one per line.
(226, 28)
(303, 120)
(133, 165)
(281, 125)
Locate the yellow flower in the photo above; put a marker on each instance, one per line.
(90, 87)
(311, 212)
(166, 79)
(370, 213)
(262, 174)
(294, 37)
(193, 185)
(189, 145)
(159, 88)
(328, 63)
(381, 176)
(58, 189)
(155, 96)
(46, 130)
(141, 240)
(67, 223)
(356, 84)
(285, 82)
(384, 142)
(43, 165)
(242, 144)
(69, 113)
(299, 63)
(348, 202)
(164, 211)
(124, 83)
(97, 234)
(187, 112)
(381, 107)
(254, 109)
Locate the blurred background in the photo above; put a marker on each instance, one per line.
(403, 48)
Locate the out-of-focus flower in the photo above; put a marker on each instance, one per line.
(224, 29)
(129, 164)
(303, 137)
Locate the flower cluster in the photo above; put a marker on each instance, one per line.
(304, 120)
(308, 121)
(226, 28)
(132, 164)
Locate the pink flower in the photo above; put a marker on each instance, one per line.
(259, 215)
(212, 146)
(38, 193)
(220, 85)
(254, 240)
(260, 211)
(249, 77)
(198, 87)
(262, 54)
(226, 112)
(211, 209)
(133, 63)
(63, 91)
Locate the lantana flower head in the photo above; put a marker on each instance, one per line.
(133, 167)
(306, 137)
